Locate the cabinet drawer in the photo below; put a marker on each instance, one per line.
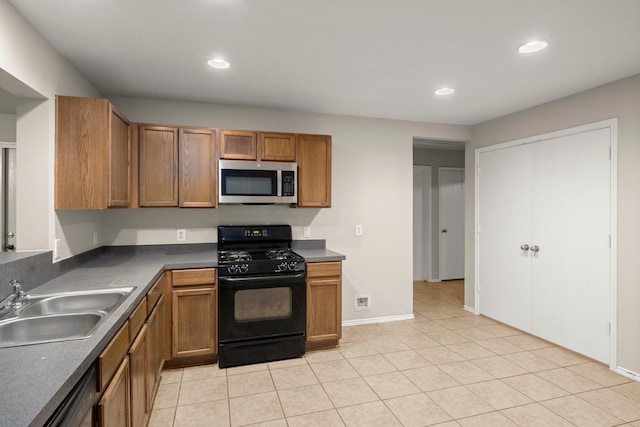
(198, 276)
(137, 318)
(112, 356)
(324, 269)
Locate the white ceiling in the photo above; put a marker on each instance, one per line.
(374, 58)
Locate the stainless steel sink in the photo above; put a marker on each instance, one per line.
(41, 329)
(59, 316)
(73, 302)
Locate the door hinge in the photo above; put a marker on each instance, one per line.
(609, 153)
(609, 241)
(478, 171)
(608, 328)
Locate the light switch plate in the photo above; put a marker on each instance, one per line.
(359, 230)
(306, 232)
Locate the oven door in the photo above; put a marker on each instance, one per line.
(261, 307)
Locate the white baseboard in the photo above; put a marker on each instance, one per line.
(629, 374)
(470, 309)
(378, 320)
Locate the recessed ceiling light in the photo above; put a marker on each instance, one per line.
(218, 63)
(444, 91)
(533, 46)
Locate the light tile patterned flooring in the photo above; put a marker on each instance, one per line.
(447, 367)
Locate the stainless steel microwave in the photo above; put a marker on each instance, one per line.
(242, 181)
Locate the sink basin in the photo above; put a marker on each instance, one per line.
(74, 302)
(41, 329)
(59, 316)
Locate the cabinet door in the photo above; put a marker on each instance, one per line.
(138, 363)
(324, 303)
(314, 171)
(113, 408)
(238, 145)
(158, 166)
(81, 171)
(155, 349)
(278, 147)
(197, 168)
(194, 322)
(119, 153)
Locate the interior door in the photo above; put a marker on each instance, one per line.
(504, 228)
(544, 224)
(571, 222)
(7, 198)
(451, 223)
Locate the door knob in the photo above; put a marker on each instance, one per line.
(10, 234)
(524, 247)
(535, 249)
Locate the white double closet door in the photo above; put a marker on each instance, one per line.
(544, 224)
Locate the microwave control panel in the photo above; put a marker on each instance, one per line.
(288, 183)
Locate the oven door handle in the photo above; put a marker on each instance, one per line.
(288, 277)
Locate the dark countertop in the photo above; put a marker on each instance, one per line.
(35, 378)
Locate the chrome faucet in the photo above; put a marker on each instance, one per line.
(18, 293)
(14, 300)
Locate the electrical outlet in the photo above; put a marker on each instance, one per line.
(362, 302)
(306, 232)
(56, 249)
(181, 235)
(359, 230)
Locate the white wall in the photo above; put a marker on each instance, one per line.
(7, 128)
(619, 100)
(28, 58)
(372, 185)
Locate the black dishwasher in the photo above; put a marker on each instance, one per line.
(76, 410)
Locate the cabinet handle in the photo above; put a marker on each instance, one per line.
(535, 249)
(524, 247)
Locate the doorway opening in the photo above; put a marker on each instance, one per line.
(438, 175)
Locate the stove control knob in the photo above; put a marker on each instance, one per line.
(293, 265)
(232, 269)
(243, 268)
(281, 267)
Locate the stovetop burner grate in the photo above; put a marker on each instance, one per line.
(234, 256)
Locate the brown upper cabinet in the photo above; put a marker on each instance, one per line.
(158, 166)
(238, 145)
(92, 169)
(197, 168)
(277, 147)
(313, 155)
(259, 146)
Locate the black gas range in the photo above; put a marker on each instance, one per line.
(262, 295)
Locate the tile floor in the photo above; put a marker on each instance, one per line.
(447, 367)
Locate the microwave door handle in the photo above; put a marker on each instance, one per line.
(279, 178)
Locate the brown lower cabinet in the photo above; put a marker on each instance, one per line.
(113, 408)
(138, 363)
(126, 393)
(193, 302)
(324, 304)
